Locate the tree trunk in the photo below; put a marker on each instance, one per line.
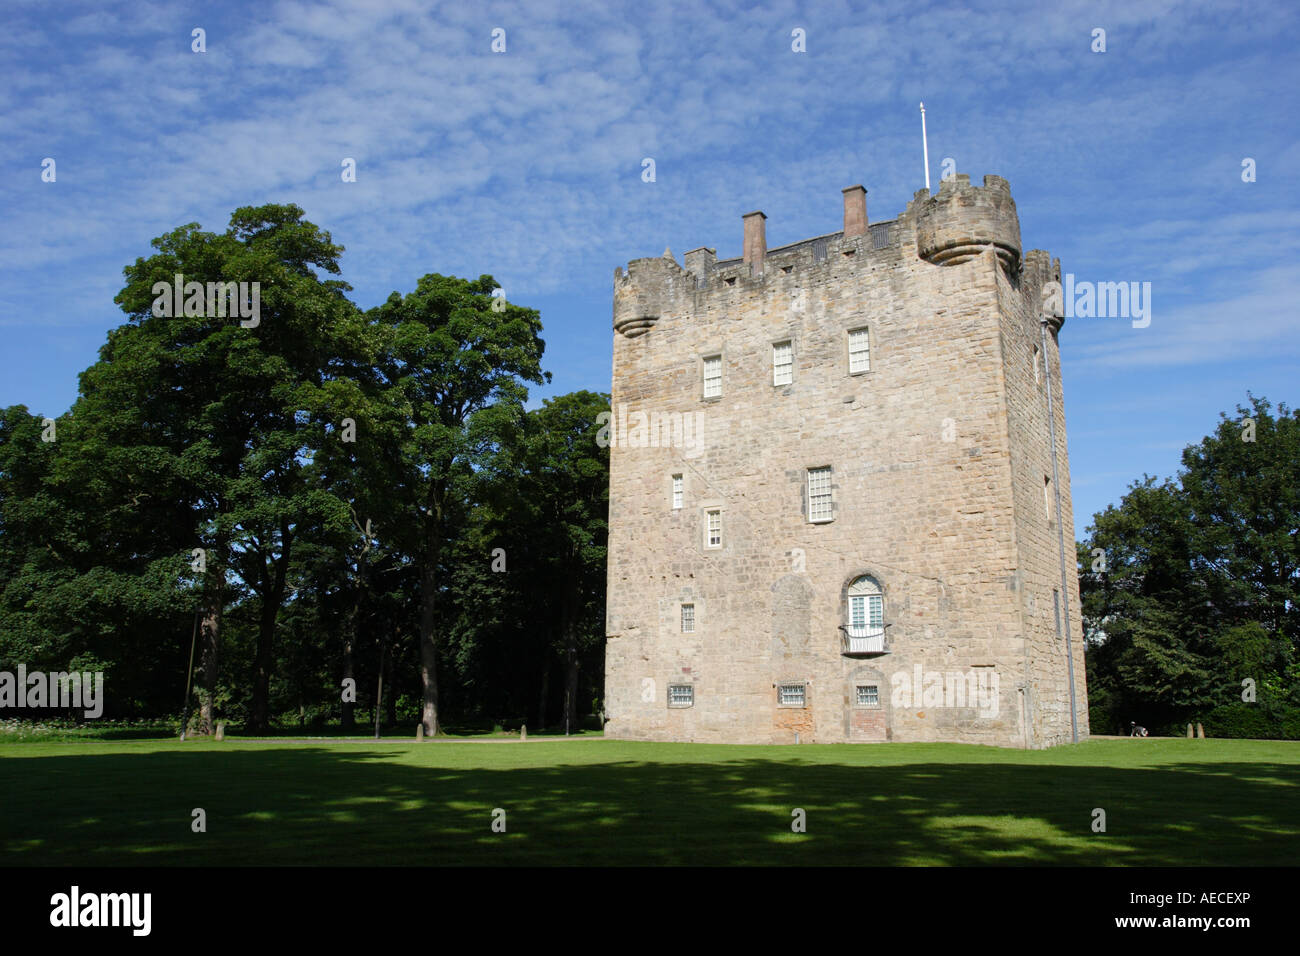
(214, 603)
(349, 706)
(571, 665)
(546, 691)
(391, 701)
(210, 636)
(260, 718)
(428, 646)
(569, 630)
(358, 585)
(272, 598)
(379, 692)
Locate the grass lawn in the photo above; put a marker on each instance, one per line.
(593, 801)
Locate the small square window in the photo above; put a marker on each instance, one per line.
(677, 492)
(791, 695)
(859, 351)
(868, 695)
(681, 695)
(782, 363)
(820, 505)
(713, 529)
(688, 618)
(713, 376)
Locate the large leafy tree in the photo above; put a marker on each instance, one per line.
(221, 417)
(1190, 586)
(563, 490)
(369, 488)
(89, 580)
(454, 362)
(527, 587)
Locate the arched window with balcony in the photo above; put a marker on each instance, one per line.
(864, 631)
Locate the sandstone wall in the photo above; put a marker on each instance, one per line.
(934, 453)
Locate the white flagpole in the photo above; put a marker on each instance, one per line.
(925, 148)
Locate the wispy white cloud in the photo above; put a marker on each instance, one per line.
(527, 164)
(1261, 320)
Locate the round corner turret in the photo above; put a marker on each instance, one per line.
(642, 293)
(963, 221)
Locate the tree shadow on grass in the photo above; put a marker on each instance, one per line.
(358, 807)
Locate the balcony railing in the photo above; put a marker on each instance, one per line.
(863, 639)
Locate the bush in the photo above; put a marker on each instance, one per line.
(1253, 721)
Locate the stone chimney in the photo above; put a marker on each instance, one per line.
(755, 248)
(855, 211)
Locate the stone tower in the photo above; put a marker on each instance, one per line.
(832, 509)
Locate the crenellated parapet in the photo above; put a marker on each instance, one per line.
(957, 225)
(962, 221)
(643, 292)
(1041, 283)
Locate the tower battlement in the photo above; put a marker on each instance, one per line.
(641, 292)
(950, 228)
(964, 220)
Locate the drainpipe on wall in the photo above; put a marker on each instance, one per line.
(1060, 532)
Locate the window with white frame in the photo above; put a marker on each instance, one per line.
(791, 695)
(865, 630)
(782, 363)
(820, 505)
(713, 529)
(677, 492)
(868, 695)
(712, 376)
(688, 618)
(859, 351)
(681, 695)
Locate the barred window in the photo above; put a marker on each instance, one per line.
(681, 695)
(677, 492)
(712, 376)
(713, 529)
(688, 618)
(868, 695)
(820, 506)
(782, 363)
(791, 695)
(859, 351)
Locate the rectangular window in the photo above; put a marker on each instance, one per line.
(820, 506)
(688, 618)
(1038, 378)
(859, 352)
(677, 492)
(867, 610)
(868, 695)
(713, 376)
(681, 695)
(791, 695)
(1056, 610)
(713, 529)
(782, 363)
(1047, 497)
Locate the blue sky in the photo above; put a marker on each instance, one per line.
(527, 165)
